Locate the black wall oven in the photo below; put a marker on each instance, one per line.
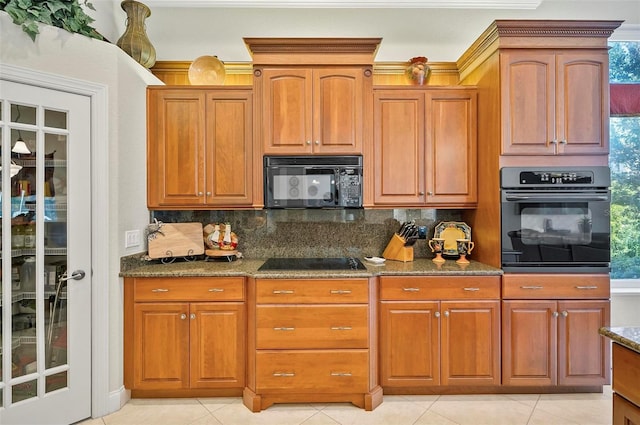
(555, 219)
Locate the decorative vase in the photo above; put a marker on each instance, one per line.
(134, 41)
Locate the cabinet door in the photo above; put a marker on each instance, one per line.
(409, 344)
(583, 355)
(470, 344)
(217, 345)
(161, 346)
(338, 104)
(528, 89)
(582, 103)
(450, 141)
(229, 170)
(286, 110)
(399, 147)
(624, 412)
(529, 342)
(175, 147)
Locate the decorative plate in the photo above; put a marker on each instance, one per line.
(450, 231)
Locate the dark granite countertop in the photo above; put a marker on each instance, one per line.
(249, 267)
(628, 336)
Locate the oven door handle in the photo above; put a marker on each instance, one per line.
(559, 197)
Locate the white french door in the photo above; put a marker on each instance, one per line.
(45, 320)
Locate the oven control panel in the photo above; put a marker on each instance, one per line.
(540, 178)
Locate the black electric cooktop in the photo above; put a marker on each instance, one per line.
(342, 263)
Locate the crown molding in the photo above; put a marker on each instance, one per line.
(338, 4)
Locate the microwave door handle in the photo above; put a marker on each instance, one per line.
(561, 197)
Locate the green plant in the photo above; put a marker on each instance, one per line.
(65, 14)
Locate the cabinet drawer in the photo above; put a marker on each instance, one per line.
(331, 371)
(415, 288)
(626, 373)
(312, 326)
(189, 289)
(555, 286)
(311, 291)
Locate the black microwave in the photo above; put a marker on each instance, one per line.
(313, 181)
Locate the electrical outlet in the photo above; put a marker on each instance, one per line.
(422, 232)
(131, 238)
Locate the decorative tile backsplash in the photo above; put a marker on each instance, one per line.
(316, 232)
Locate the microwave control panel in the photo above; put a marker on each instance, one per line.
(540, 178)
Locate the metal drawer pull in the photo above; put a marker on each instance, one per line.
(531, 287)
(411, 289)
(284, 374)
(159, 290)
(341, 374)
(341, 328)
(284, 329)
(471, 289)
(192, 316)
(183, 316)
(586, 287)
(340, 291)
(216, 290)
(437, 314)
(554, 314)
(282, 291)
(565, 313)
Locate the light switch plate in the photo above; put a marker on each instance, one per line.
(131, 238)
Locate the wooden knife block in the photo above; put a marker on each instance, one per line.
(396, 250)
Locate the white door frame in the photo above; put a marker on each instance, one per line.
(99, 218)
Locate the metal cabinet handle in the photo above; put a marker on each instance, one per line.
(586, 287)
(200, 193)
(554, 314)
(340, 291)
(341, 374)
(446, 313)
(308, 142)
(208, 193)
(565, 313)
(216, 290)
(531, 287)
(471, 289)
(192, 316)
(159, 290)
(430, 193)
(554, 142)
(437, 314)
(411, 289)
(183, 316)
(284, 374)
(282, 291)
(421, 193)
(317, 142)
(282, 328)
(563, 142)
(341, 328)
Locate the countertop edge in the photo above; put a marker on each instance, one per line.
(628, 337)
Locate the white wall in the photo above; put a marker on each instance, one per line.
(439, 34)
(71, 55)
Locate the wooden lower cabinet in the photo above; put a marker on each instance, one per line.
(626, 375)
(177, 345)
(554, 340)
(312, 340)
(439, 331)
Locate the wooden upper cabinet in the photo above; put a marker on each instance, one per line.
(554, 102)
(312, 111)
(199, 147)
(425, 147)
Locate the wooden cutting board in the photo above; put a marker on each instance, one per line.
(176, 240)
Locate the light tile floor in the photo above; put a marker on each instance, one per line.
(511, 409)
